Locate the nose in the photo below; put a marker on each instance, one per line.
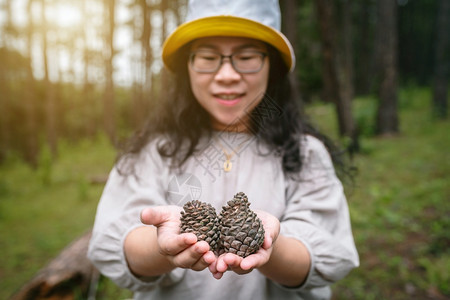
(226, 72)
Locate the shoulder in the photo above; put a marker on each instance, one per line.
(149, 154)
(314, 154)
(309, 143)
(154, 143)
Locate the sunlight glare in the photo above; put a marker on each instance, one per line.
(64, 15)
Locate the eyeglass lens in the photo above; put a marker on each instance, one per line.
(243, 62)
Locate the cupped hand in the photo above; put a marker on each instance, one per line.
(181, 250)
(239, 265)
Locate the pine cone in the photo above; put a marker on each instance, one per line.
(201, 219)
(241, 231)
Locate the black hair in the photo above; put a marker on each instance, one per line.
(275, 121)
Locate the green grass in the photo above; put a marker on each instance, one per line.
(43, 210)
(399, 205)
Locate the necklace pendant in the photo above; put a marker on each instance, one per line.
(227, 165)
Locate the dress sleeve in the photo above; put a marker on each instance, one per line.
(317, 215)
(118, 213)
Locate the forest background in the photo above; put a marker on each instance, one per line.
(77, 77)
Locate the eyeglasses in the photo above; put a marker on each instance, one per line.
(205, 61)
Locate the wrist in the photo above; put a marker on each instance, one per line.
(289, 262)
(142, 254)
(273, 253)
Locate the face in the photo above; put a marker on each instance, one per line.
(227, 95)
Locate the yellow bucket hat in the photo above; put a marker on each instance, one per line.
(256, 19)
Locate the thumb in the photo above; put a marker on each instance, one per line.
(156, 215)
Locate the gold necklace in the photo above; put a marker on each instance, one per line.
(227, 165)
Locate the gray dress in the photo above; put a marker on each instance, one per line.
(313, 210)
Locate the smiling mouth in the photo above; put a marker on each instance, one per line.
(228, 97)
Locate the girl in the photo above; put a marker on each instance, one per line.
(230, 125)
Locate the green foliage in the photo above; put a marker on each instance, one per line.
(399, 207)
(108, 290)
(365, 112)
(45, 166)
(308, 51)
(15, 64)
(437, 272)
(38, 218)
(417, 34)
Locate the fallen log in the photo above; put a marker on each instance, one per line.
(68, 276)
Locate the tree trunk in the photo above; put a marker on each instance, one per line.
(164, 75)
(441, 61)
(89, 126)
(176, 6)
(32, 149)
(336, 89)
(50, 105)
(144, 91)
(346, 58)
(387, 115)
(147, 50)
(328, 39)
(290, 12)
(346, 79)
(5, 100)
(364, 54)
(109, 118)
(4, 104)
